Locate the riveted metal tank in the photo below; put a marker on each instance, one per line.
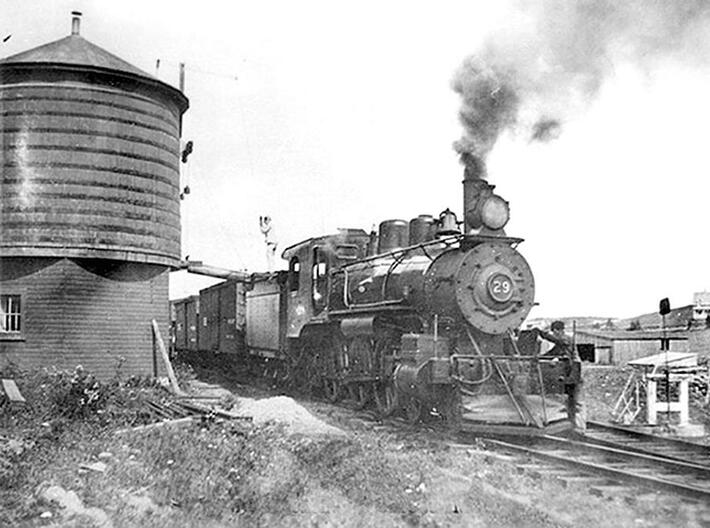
(422, 229)
(90, 156)
(394, 234)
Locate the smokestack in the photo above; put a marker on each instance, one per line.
(75, 22)
(474, 184)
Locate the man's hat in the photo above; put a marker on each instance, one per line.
(558, 325)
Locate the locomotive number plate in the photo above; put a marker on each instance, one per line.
(500, 287)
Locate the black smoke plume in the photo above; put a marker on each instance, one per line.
(548, 65)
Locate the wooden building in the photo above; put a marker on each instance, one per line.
(89, 208)
(618, 347)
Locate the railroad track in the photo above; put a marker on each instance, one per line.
(606, 458)
(640, 442)
(617, 456)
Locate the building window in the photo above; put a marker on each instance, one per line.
(10, 314)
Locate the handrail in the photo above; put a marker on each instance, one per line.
(448, 241)
(346, 300)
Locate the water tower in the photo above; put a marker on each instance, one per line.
(89, 207)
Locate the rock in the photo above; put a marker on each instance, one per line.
(104, 455)
(46, 515)
(95, 466)
(16, 446)
(72, 505)
(141, 505)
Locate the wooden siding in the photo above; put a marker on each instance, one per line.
(76, 312)
(186, 327)
(88, 171)
(265, 317)
(625, 351)
(222, 318)
(619, 350)
(699, 342)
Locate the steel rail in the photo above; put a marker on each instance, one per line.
(630, 433)
(608, 471)
(621, 452)
(647, 450)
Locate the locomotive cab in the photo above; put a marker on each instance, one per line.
(309, 266)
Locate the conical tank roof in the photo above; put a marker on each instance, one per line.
(77, 51)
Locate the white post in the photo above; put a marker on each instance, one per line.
(683, 401)
(651, 401)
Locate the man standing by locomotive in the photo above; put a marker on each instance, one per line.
(564, 348)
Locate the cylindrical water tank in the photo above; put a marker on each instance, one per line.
(90, 157)
(422, 229)
(394, 234)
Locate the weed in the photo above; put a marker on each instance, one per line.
(81, 397)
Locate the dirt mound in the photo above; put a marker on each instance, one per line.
(285, 410)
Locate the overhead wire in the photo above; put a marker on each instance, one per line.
(187, 170)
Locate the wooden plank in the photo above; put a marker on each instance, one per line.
(12, 392)
(165, 423)
(166, 359)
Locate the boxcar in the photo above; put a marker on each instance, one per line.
(222, 318)
(185, 328)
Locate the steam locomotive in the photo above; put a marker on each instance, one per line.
(421, 318)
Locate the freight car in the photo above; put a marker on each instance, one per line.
(213, 321)
(184, 324)
(422, 318)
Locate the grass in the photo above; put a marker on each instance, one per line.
(221, 472)
(233, 473)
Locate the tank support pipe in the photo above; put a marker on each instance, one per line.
(436, 334)
(198, 268)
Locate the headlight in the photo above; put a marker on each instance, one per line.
(495, 212)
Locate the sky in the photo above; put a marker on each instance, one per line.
(342, 114)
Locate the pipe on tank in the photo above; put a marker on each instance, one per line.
(198, 268)
(75, 22)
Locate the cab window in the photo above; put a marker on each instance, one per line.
(320, 279)
(294, 271)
